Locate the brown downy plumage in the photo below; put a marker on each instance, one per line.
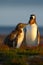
(15, 38)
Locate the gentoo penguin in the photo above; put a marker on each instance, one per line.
(32, 32)
(16, 37)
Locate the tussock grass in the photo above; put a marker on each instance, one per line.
(21, 56)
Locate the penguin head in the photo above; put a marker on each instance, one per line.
(32, 16)
(32, 19)
(21, 25)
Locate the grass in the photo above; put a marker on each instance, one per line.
(21, 56)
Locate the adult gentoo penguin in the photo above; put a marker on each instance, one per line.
(32, 32)
(16, 37)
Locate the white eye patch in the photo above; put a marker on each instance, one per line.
(33, 17)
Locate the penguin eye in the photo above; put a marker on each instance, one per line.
(31, 17)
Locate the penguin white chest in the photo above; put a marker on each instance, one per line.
(20, 39)
(31, 34)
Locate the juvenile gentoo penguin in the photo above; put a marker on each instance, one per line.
(32, 33)
(16, 37)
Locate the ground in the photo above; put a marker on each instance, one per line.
(22, 56)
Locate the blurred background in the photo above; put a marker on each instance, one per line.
(14, 11)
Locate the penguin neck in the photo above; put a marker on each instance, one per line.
(20, 30)
(33, 24)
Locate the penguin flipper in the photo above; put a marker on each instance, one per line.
(15, 39)
(13, 35)
(14, 44)
(9, 39)
(38, 37)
